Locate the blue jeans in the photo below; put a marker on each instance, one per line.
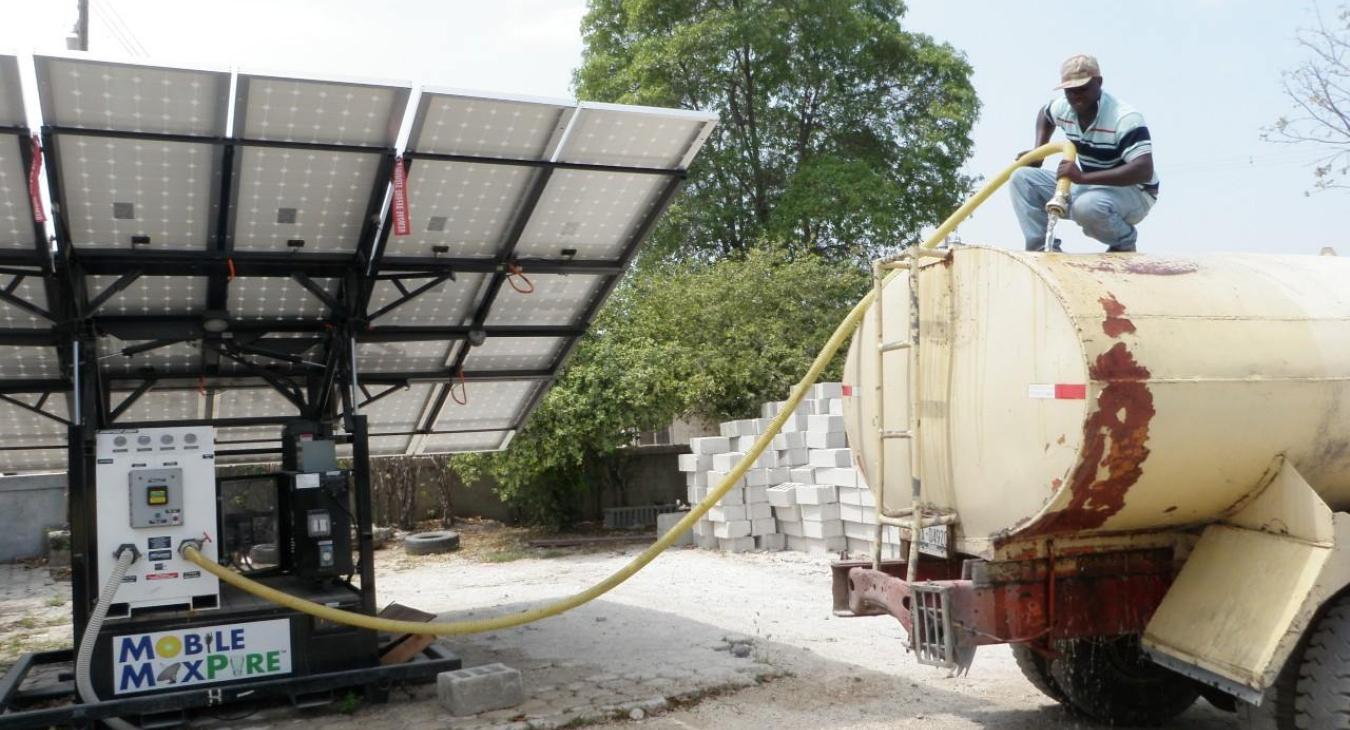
(1106, 213)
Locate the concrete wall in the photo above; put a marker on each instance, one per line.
(29, 505)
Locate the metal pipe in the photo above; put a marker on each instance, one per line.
(915, 445)
(878, 284)
(75, 393)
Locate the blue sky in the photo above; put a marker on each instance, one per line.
(1205, 73)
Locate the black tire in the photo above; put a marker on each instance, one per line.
(1277, 702)
(1111, 681)
(1322, 699)
(1036, 669)
(430, 543)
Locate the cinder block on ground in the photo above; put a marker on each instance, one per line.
(727, 513)
(762, 527)
(737, 545)
(816, 546)
(816, 494)
(709, 444)
(758, 511)
(820, 512)
(771, 542)
(792, 440)
(822, 530)
(732, 497)
(827, 390)
(783, 495)
(727, 460)
(828, 424)
(794, 456)
(666, 521)
(826, 439)
(841, 476)
(695, 462)
(831, 457)
(479, 689)
(731, 530)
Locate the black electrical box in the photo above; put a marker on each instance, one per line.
(321, 525)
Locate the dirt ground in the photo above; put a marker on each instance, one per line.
(669, 625)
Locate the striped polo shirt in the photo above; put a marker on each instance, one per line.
(1117, 136)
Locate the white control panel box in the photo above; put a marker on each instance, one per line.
(156, 487)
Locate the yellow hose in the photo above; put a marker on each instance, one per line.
(474, 626)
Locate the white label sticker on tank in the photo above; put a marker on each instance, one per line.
(1057, 391)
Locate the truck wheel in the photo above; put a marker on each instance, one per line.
(1276, 711)
(1110, 680)
(1322, 699)
(1036, 669)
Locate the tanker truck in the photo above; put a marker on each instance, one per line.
(1135, 469)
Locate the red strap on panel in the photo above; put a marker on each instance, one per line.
(34, 183)
(402, 226)
(464, 390)
(524, 285)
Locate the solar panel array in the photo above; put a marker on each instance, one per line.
(223, 251)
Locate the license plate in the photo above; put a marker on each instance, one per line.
(934, 540)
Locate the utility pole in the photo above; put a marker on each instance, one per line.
(78, 40)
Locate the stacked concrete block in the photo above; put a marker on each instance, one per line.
(802, 493)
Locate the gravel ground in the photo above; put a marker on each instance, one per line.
(836, 672)
(661, 642)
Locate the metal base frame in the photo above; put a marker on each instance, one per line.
(309, 690)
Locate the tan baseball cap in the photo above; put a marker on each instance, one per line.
(1078, 70)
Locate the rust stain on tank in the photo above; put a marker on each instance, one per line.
(1115, 446)
(1115, 323)
(1143, 266)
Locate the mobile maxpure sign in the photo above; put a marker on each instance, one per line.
(202, 655)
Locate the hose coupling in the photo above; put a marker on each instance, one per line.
(124, 547)
(193, 543)
(1058, 205)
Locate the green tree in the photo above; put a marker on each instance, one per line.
(841, 133)
(693, 338)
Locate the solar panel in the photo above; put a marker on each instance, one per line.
(86, 93)
(16, 229)
(625, 136)
(464, 206)
(318, 111)
(241, 260)
(268, 297)
(315, 197)
(553, 299)
(123, 193)
(453, 122)
(11, 96)
(447, 302)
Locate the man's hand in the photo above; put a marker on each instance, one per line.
(1037, 163)
(1070, 170)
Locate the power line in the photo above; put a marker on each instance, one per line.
(115, 32)
(112, 8)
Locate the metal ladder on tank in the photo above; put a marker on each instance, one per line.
(932, 638)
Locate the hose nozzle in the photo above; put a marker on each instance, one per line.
(1058, 205)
